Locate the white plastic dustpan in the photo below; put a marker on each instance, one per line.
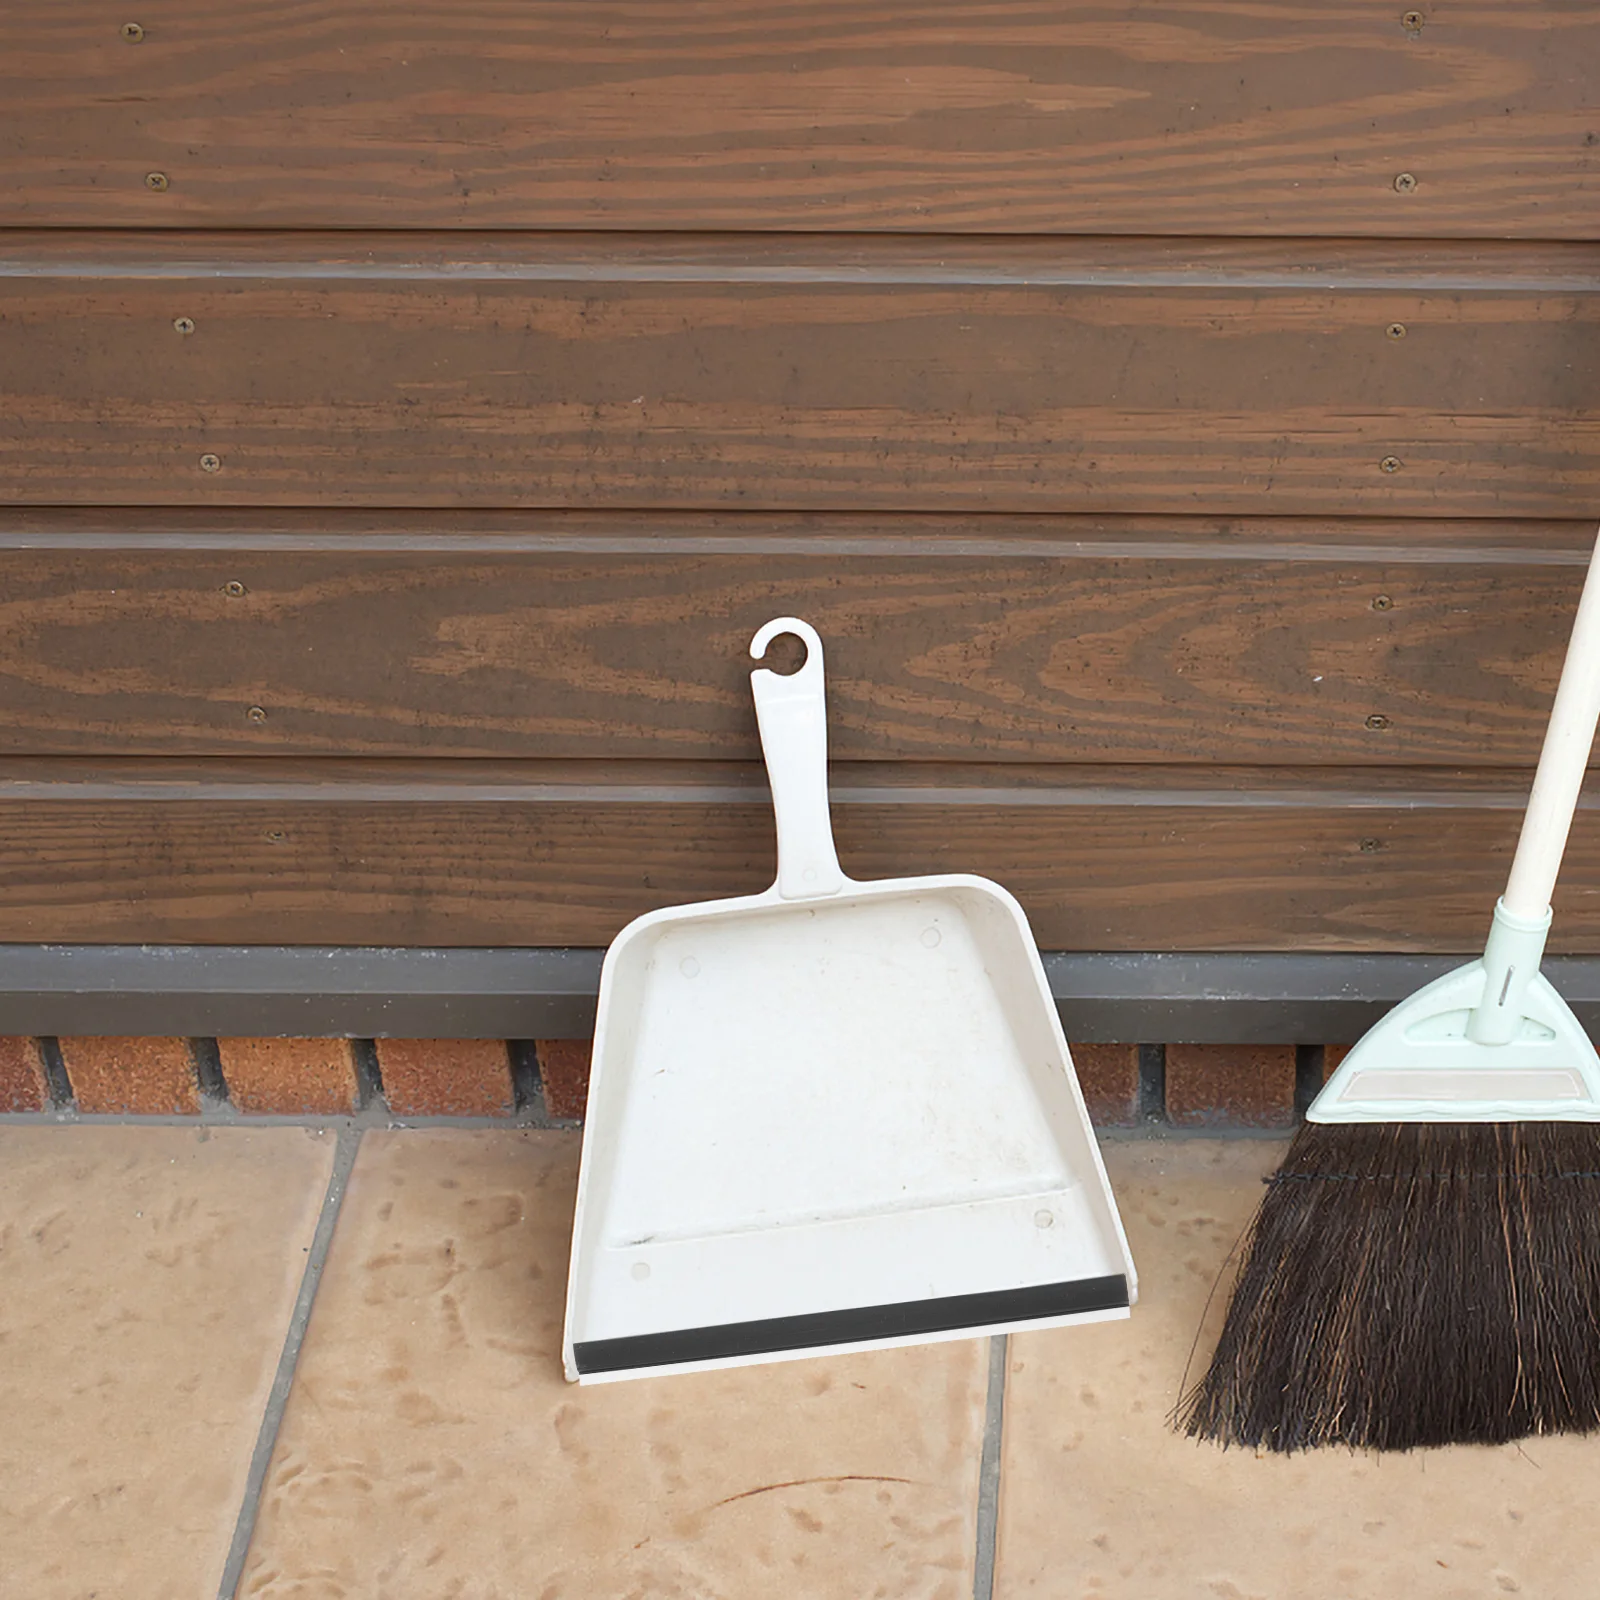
(832, 1116)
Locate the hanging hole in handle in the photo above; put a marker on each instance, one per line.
(786, 655)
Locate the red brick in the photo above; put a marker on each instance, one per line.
(147, 1077)
(1249, 1085)
(290, 1076)
(23, 1085)
(445, 1077)
(1332, 1055)
(1108, 1074)
(564, 1072)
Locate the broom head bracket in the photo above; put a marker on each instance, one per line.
(1490, 1042)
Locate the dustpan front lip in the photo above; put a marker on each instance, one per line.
(824, 1352)
(852, 1325)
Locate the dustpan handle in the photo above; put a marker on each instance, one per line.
(1562, 761)
(792, 713)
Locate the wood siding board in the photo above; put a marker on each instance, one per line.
(1286, 117)
(1096, 652)
(1329, 860)
(339, 383)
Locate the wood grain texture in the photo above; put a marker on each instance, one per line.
(977, 639)
(556, 854)
(1284, 117)
(1005, 376)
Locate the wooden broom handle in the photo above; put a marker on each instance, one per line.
(1562, 761)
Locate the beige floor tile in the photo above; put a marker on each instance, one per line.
(147, 1276)
(432, 1448)
(1100, 1500)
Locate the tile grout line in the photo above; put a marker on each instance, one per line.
(283, 1379)
(989, 1471)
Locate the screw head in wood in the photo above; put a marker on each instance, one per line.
(183, 324)
(256, 714)
(1381, 602)
(132, 32)
(1390, 463)
(1377, 722)
(1405, 182)
(157, 181)
(234, 589)
(1396, 330)
(1370, 847)
(274, 836)
(210, 463)
(1412, 21)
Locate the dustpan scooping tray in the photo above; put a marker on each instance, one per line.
(835, 1115)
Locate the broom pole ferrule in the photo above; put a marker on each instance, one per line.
(1562, 762)
(1510, 963)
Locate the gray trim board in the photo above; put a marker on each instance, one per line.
(1254, 998)
(362, 993)
(204, 991)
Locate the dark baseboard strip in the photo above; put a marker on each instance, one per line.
(232, 991)
(856, 1325)
(205, 991)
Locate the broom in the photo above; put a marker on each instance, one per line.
(1425, 1266)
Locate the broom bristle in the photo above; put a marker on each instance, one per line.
(1411, 1284)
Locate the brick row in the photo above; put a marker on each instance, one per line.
(1211, 1085)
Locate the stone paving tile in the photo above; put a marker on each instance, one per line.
(147, 1275)
(431, 1447)
(1100, 1500)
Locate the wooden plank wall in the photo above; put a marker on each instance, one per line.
(1181, 422)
